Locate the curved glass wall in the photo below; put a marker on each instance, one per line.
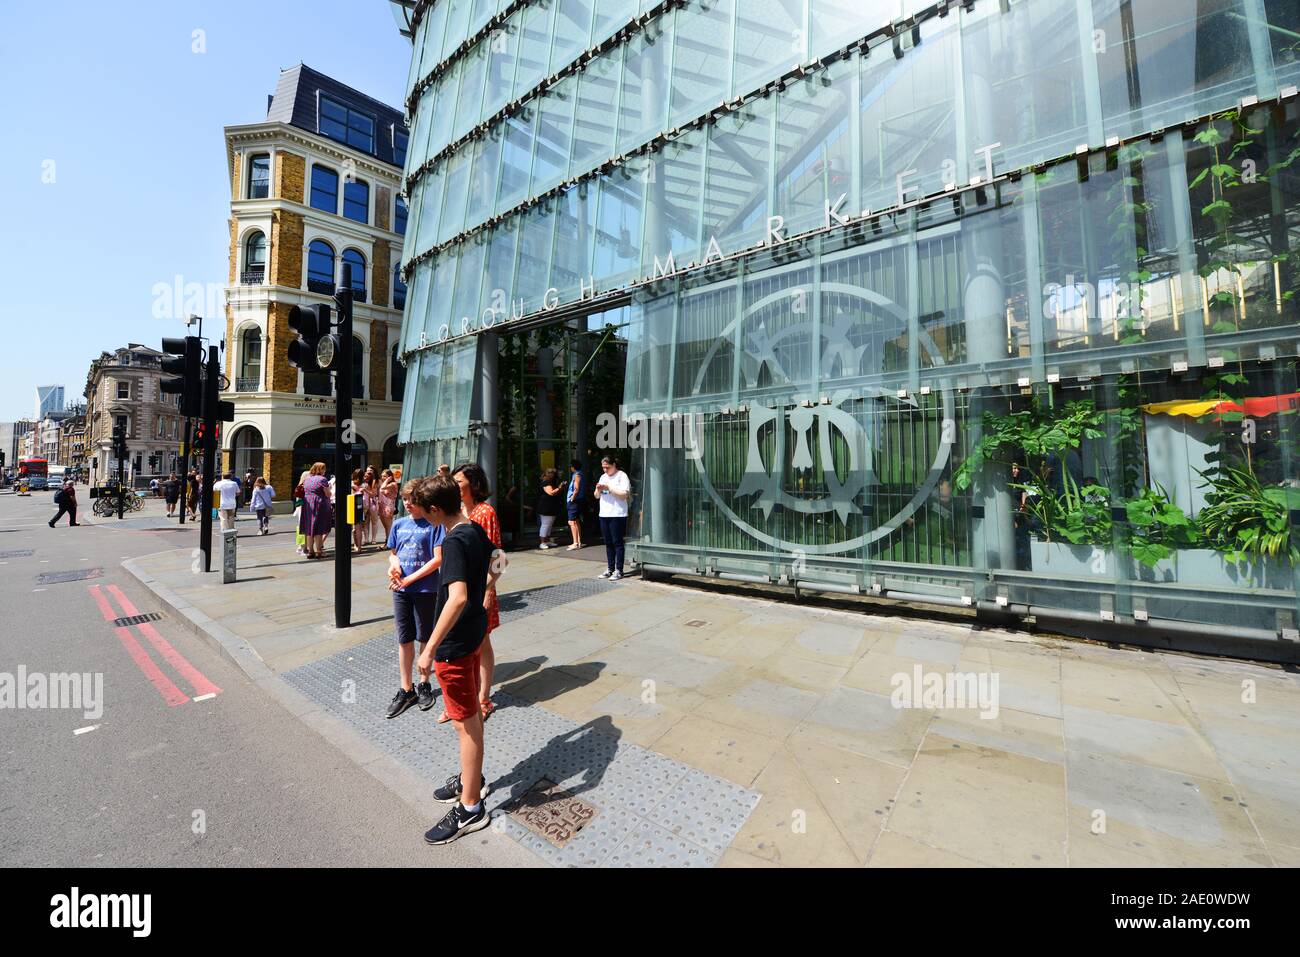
(999, 307)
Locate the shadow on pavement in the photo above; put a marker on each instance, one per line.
(586, 751)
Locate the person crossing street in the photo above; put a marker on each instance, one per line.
(66, 499)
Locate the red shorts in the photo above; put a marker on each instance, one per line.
(459, 681)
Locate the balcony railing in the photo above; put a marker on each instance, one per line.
(249, 384)
(253, 276)
(321, 286)
(358, 295)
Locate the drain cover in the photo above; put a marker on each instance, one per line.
(551, 812)
(136, 620)
(17, 553)
(81, 574)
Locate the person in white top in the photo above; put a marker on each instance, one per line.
(228, 489)
(614, 490)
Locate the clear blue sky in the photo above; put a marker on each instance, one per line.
(132, 119)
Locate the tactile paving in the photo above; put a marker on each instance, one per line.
(653, 811)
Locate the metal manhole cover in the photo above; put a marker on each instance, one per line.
(696, 623)
(17, 553)
(136, 620)
(551, 812)
(81, 574)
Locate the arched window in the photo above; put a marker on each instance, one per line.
(353, 258)
(399, 288)
(259, 176)
(397, 377)
(320, 267)
(250, 361)
(254, 259)
(393, 453)
(324, 189)
(318, 446)
(356, 200)
(246, 451)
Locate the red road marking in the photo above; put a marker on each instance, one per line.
(171, 694)
(196, 678)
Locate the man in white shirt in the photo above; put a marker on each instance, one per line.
(614, 490)
(228, 489)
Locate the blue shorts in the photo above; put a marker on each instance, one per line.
(573, 508)
(415, 614)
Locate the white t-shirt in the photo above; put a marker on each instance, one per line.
(229, 491)
(611, 506)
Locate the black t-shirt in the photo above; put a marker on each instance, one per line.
(466, 555)
(548, 504)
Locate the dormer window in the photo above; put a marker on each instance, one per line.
(346, 125)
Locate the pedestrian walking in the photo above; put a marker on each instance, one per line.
(66, 499)
(549, 502)
(613, 489)
(465, 577)
(153, 488)
(228, 505)
(260, 503)
(573, 503)
(414, 555)
(371, 482)
(474, 493)
(300, 539)
(389, 488)
(317, 510)
(359, 525)
(249, 480)
(171, 493)
(195, 488)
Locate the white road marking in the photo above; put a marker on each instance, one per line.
(40, 589)
(45, 561)
(205, 697)
(90, 727)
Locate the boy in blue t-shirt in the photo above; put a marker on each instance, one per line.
(415, 553)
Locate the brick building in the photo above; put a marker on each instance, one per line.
(313, 186)
(122, 387)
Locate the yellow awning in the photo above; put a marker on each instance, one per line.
(1193, 408)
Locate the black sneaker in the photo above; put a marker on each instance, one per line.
(424, 692)
(457, 822)
(401, 701)
(449, 793)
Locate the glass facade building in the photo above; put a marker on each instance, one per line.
(988, 303)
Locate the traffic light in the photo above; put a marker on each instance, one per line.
(119, 443)
(315, 342)
(183, 358)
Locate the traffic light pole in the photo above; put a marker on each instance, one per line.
(185, 468)
(211, 389)
(121, 482)
(344, 428)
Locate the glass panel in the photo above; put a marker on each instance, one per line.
(457, 382)
(554, 129)
(673, 202)
(908, 119)
(431, 207)
(837, 22)
(596, 118)
(413, 324)
(532, 267)
(574, 240)
(503, 47)
(1284, 35)
(534, 48)
(516, 159)
(610, 16)
(443, 113)
(1161, 63)
(499, 273)
(469, 100)
(643, 103)
(769, 41)
(737, 176)
(571, 30)
(813, 152)
(701, 58)
(420, 151)
(469, 280)
(324, 189)
(320, 263)
(457, 25)
(356, 201)
(618, 223)
(454, 194)
(1023, 82)
(483, 184)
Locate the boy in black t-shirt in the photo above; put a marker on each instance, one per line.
(452, 651)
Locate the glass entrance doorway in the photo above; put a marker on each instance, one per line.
(561, 392)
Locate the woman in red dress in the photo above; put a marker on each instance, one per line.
(474, 493)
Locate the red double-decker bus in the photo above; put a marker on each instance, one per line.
(34, 473)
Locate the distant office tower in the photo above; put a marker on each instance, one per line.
(49, 398)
